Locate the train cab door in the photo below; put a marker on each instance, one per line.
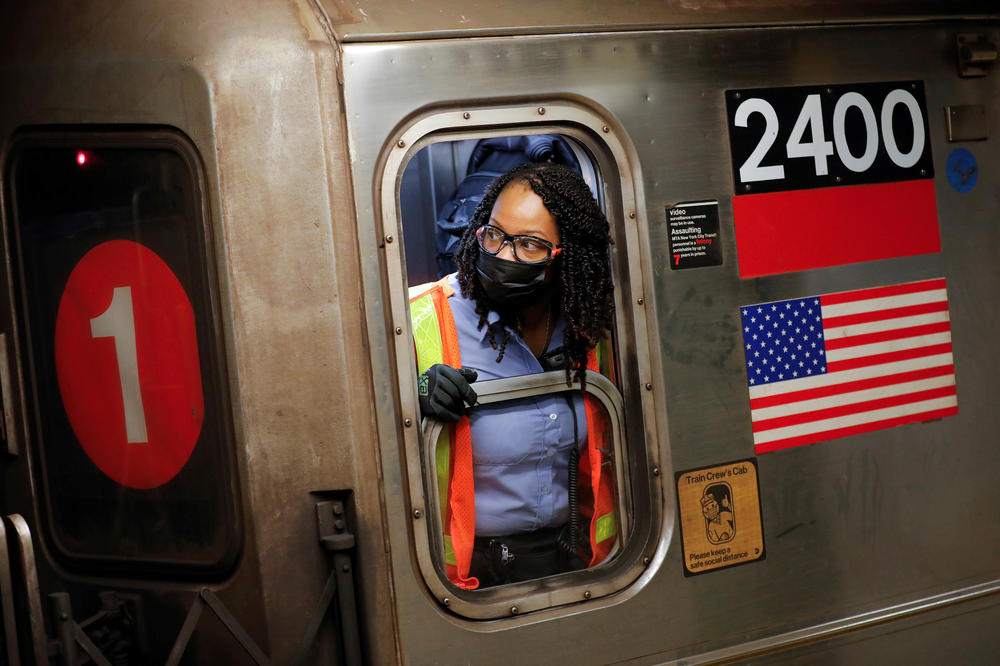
(797, 191)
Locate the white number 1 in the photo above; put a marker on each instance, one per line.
(118, 322)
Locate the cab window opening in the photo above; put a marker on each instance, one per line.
(526, 487)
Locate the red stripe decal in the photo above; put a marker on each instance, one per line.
(854, 430)
(888, 357)
(781, 232)
(850, 387)
(855, 408)
(891, 313)
(882, 292)
(883, 336)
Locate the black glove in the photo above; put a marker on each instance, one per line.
(442, 391)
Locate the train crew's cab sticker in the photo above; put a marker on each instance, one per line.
(963, 172)
(830, 175)
(693, 229)
(127, 362)
(823, 367)
(720, 516)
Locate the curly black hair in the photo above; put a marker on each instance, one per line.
(585, 293)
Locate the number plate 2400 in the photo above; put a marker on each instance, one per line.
(824, 136)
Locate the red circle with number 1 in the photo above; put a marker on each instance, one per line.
(127, 363)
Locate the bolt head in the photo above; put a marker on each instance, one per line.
(541, 110)
(401, 143)
(646, 561)
(407, 422)
(465, 115)
(416, 513)
(586, 595)
(513, 610)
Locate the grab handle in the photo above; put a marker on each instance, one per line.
(36, 621)
(7, 602)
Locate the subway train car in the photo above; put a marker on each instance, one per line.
(213, 215)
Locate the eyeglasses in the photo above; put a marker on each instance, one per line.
(527, 249)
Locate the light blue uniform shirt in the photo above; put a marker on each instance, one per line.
(520, 448)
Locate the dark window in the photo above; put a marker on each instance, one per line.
(123, 352)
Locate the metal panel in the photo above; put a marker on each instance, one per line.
(380, 20)
(853, 526)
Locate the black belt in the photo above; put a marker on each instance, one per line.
(515, 557)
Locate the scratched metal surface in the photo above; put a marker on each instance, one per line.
(852, 526)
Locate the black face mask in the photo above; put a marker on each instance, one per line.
(510, 283)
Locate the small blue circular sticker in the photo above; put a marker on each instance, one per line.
(962, 170)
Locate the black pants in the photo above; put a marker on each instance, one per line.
(510, 559)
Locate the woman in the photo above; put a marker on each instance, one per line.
(533, 292)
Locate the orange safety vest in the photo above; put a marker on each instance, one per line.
(436, 341)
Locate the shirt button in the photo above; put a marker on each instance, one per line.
(550, 452)
(545, 490)
(553, 416)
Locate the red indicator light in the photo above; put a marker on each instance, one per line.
(81, 157)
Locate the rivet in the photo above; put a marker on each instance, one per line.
(586, 595)
(339, 525)
(63, 616)
(605, 129)
(407, 422)
(837, 179)
(646, 561)
(656, 471)
(746, 187)
(541, 112)
(649, 387)
(829, 91)
(337, 510)
(465, 115)
(401, 143)
(923, 172)
(913, 86)
(640, 301)
(513, 610)
(346, 568)
(446, 601)
(399, 330)
(737, 95)
(631, 214)
(388, 238)
(416, 513)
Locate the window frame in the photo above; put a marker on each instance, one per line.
(637, 464)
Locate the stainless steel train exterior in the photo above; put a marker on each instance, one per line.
(287, 126)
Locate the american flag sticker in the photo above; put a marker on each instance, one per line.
(841, 364)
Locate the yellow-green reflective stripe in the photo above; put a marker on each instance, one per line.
(442, 458)
(426, 333)
(607, 527)
(449, 552)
